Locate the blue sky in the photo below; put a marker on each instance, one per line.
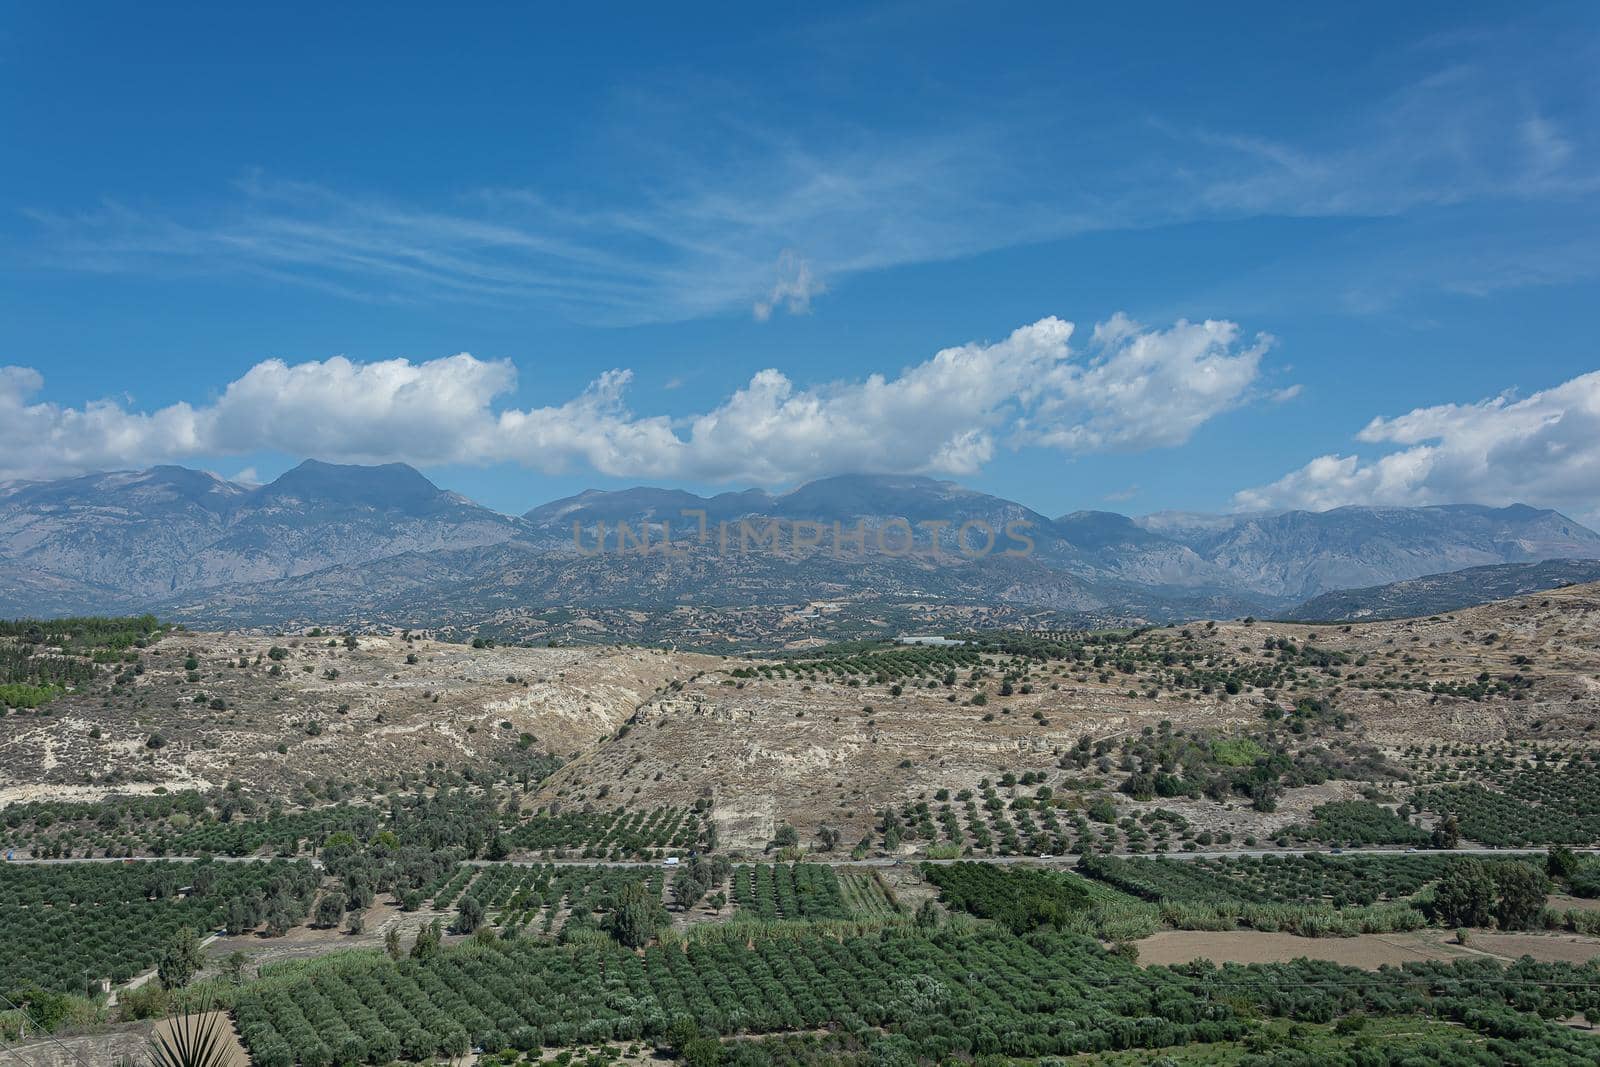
(1307, 258)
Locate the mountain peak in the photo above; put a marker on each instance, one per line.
(1094, 530)
(909, 496)
(396, 486)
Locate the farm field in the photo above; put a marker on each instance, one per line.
(62, 926)
(867, 896)
(958, 990)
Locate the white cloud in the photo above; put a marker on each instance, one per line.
(43, 440)
(1543, 449)
(1145, 388)
(363, 411)
(1132, 388)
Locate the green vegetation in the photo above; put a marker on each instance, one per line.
(41, 659)
(1021, 898)
(610, 834)
(875, 660)
(1359, 822)
(788, 891)
(1127, 900)
(1237, 751)
(59, 922)
(866, 896)
(1218, 895)
(86, 634)
(905, 992)
(1338, 880)
(22, 695)
(521, 895)
(1471, 892)
(1535, 805)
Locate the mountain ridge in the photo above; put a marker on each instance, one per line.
(1432, 594)
(383, 542)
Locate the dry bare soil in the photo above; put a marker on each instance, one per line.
(1367, 951)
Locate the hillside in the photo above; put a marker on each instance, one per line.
(834, 735)
(1434, 593)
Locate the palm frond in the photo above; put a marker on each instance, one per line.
(197, 1039)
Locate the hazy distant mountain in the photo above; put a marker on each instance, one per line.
(333, 543)
(1436, 593)
(153, 533)
(1303, 553)
(844, 498)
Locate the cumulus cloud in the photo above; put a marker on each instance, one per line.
(1130, 388)
(1144, 388)
(362, 411)
(1543, 449)
(42, 440)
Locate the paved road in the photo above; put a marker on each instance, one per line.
(895, 861)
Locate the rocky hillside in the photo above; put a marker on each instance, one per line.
(833, 735)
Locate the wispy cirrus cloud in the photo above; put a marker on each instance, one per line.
(765, 231)
(743, 214)
(1128, 389)
(1446, 139)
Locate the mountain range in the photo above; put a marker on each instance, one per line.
(382, 544)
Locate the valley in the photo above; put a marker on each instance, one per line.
(487, 842)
